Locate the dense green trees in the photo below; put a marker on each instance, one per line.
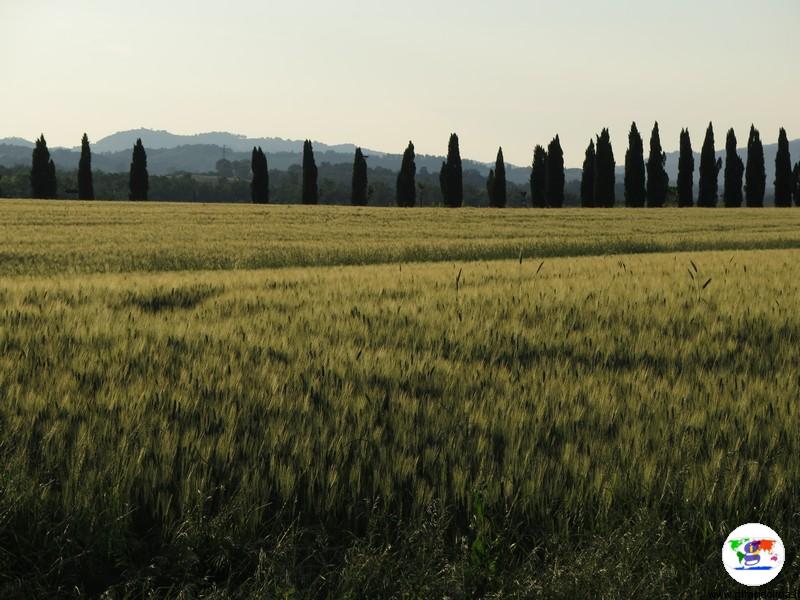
(406, 178)
(539, 178)
(604, 175)
(310, 189)
(634, 169)
(755, 172)
(496, 183)
(709, 172)
(587, 177)
(783, 172)
(657, 178)
(359, 195)
(734, 170)
(85, 179)
(43, 172)
(685, 171)
(554, 184)
(451, 176)
(139, 181)
(259, 185)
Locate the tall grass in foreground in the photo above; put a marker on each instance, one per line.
(566, 428)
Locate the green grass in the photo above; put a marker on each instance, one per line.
(552, 427)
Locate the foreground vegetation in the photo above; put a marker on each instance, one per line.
(549, 427)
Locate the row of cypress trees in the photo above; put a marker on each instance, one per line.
(645, 183)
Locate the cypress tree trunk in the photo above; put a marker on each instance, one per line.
(587, 177)
(734, 169)
(310, 190)
(657, 178)
(539, 177)
(406, 179)
(139, 181)
(634, 170)
(783, 172)
(709, 172)
(755, 173)
(451, 176)
(604, 177)
(554, 190)
(685, 171)
(359, 179)
(85, 180)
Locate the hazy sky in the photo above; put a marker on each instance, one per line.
(378, 73)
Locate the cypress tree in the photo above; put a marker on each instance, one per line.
(406, 179)
(139, 181)
(310, 189)
(634, 169)
(43, 172)
(657, 178)
(359, 179)
(783, 172)
(587, 177)
(604, 176)
(496, 184)
(797, 184)
(734, 169)
(709, 172)
(539, 177)
(451, 176)
(85, 181)
(490, 188)
(259, 186)
(755, 173)
(686, 171)
(554, 185)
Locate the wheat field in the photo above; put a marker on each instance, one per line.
(234, 401)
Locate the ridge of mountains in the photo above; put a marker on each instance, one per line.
(170, 153)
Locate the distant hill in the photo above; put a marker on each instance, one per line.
(169, 153)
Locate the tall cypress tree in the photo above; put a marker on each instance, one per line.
(783, 172)
(587, 177)
(406, 179)
(634, 170)
(554, 185)
(310, 190)
(359, 179)
(686, 171)
(734, 169)
(539, 178)
(85, 181)
(709, 172)
(259, 186)
(604, 175)
(451, 176)
(755, 172)
(43, 172)
(657, 178)
(797, 184)
(497, 186)
(139, 181)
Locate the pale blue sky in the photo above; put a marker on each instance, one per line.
(508, 72)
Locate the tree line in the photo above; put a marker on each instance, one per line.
(646, 183)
